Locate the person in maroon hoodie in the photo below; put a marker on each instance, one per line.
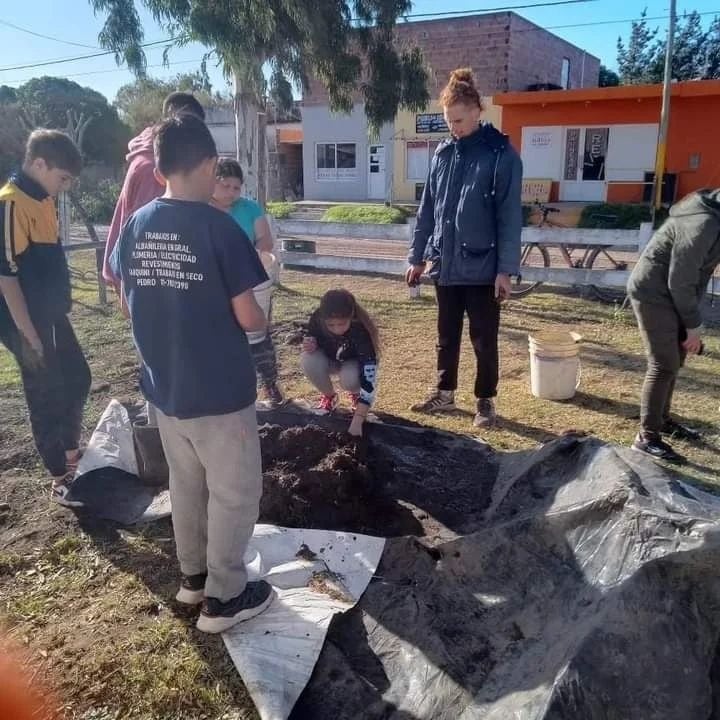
(140, 185)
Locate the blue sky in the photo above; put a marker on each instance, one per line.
(73, 21)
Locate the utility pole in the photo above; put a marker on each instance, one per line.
(661, 153)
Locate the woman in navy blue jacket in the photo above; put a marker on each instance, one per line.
(467, 239)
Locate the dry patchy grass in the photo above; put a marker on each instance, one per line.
(94, 604)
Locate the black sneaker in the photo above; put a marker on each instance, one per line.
(652, 445)
(486, 415)
(274, 397)
(192, 589)
(217, 616)
(681, 432)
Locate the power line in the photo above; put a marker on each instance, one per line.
(59, 61)
(606, 22)
(459, 13)
(109, 70)
(47, 37)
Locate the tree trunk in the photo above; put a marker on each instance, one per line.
(99, 252)
(246, 134)
(262, 164)
(250, 145)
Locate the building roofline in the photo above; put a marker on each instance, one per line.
(548, 32)
(509, 14)
(693, 88)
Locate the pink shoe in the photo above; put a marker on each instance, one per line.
(328, 403)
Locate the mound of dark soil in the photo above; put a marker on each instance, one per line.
(316, 478)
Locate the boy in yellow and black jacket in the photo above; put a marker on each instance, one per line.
(35, 302)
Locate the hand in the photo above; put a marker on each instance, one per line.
(356, 426)
(693, 344)
(32, 353)
(502, 287)
(309, 345)
(413, 274)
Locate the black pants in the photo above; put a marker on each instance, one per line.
(55, 393)
(662, 333)
(483, 313)
(265, 359)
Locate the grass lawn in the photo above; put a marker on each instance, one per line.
(91, 605)
(378, 214)
(279, 210)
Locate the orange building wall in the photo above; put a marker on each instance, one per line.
(693, 129)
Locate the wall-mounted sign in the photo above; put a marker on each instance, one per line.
(541, 139)
(536, 190)
(430, 123)
(572, 147)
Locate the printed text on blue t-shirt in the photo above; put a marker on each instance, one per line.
(164, 260)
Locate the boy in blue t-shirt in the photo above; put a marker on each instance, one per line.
(251, 218)
(188, 274)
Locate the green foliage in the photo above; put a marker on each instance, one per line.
(348, 46)
(46, 101)
(696, 52)
(608, 78)
(7, 94)
(621, 216)
(140, 103)
(98, 199)
(13, 134)
(636, 59)
(279, 210)
(379, 214)
(527, 211)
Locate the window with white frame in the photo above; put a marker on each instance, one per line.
(419, 154)
(336, 161)
(565, 74)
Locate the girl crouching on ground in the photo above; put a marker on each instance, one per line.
(342, 340)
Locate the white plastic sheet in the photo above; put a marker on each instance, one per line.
(111, 444)
(275, 653)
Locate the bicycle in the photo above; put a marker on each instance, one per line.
(597, 257)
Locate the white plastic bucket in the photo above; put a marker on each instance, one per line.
(271, 265)
(554, 365)
(264, 292)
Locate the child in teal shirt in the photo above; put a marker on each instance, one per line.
(253, 221)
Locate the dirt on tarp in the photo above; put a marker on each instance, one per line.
(577, 581)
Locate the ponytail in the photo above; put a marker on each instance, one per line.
(342, 304)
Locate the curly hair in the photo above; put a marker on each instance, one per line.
(461, 89)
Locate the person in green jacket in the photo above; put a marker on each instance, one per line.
(666, 289)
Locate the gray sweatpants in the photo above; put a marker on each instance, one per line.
(662, 332)
(319, 371)
(215, 489)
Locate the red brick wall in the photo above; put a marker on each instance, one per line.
(482, 43)
(503, 49)
(536, 57)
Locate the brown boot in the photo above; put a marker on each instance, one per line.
(485, 417)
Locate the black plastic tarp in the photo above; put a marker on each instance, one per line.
(588, 588)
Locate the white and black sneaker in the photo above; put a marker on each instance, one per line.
(653, 445)
(438, 401)
(192, 589)
(61, 491)
(216, 616)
